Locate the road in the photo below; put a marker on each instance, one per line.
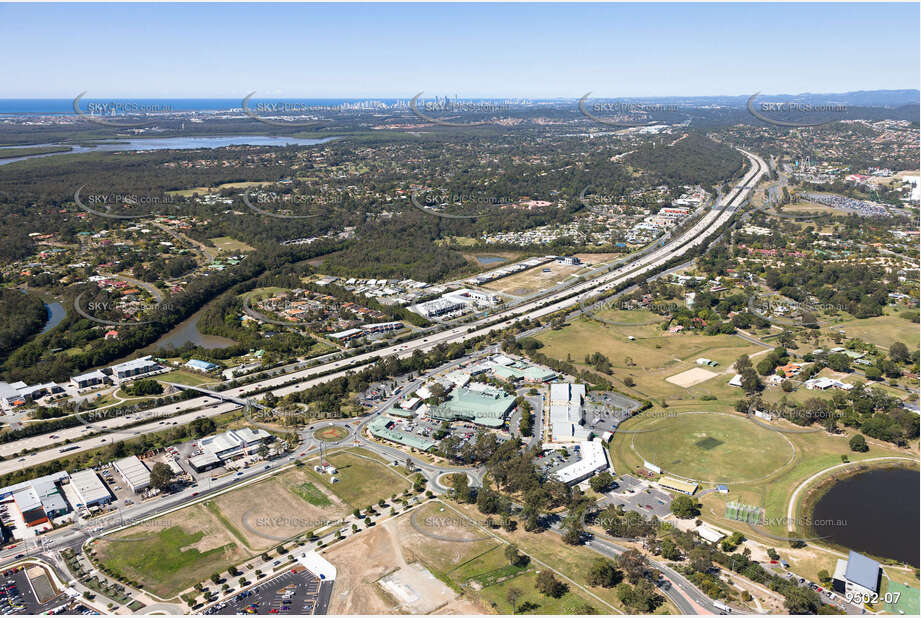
(645, 264)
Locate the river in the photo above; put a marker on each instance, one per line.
(187, 331)
(171, 143)
(875, 512)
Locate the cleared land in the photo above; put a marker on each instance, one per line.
(230, 245)
(226, 185)
(534, 280)
(173, 552)
(283, 506)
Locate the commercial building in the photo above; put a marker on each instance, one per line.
(383, 428)
(134, 369)
(19, 393)
(520, 370)
(566, 414)
(593, 458)
(857, 575)
(437, 307)
(38, 500)
(90, 488)
(134, 472)
(488, 407)
(346, 335)
(93, 378)
(235, 443)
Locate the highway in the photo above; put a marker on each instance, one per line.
(646, 263)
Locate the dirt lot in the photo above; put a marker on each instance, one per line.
(691, 377)
(273, 511)
(365, 559)
(534, 279)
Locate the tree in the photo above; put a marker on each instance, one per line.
(604, 573)
(824, 577)
(858, 444)
(628, 381)
(601, 482)
(800, 600)
(549, 585)
(633, 564)
(751, 383)
(512, 597)
(160, 476)
(684, 507)
(898, 352)
(515, 557)
(742, 363)
(215, 578)
(670, 550)
(461, 485)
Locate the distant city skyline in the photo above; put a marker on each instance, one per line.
(540, 51)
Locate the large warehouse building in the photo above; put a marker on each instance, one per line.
(135, 473)
(90, 488)
(488, 407)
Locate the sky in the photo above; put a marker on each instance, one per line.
(472, 50)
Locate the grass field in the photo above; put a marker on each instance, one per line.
(709, 446)
(532, 601)
(361, 482)
(169, 557)
(884, 330)
(652, 357)
(534, 279)
(309, 493)
(230, 245)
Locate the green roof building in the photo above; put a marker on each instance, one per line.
(523, 371)
(483, 408)
(380, 428)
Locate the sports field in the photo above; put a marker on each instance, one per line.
(713, 447)
(230, 245)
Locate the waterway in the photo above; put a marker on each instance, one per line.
(881, 511)
(56, 313)
(187, 331)
(490, 259)
(171, 143)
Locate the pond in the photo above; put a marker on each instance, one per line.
(880, 508)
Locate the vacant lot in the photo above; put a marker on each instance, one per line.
(263, 514)
(173, 552)
(535, 279)
(883, 331)
(375, 577)
(362, 482)
(691, 377)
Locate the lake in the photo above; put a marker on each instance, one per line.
(881, 511)
(490, 259)
(173, 143)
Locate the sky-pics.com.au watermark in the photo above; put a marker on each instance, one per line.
(94, 310)
(279, 205)
(764, 418)
(122, 113)
(281, 528)
(623, 114)
(794, 113)
(278, 419)
(445, 111)
(594, 310)
(473, 205)
(792, 524)
(138, 205)
(790, 312)
(126, 528)
(114, 419)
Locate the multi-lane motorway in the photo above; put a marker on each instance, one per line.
(645, 263)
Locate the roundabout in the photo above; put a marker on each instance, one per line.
(331, 433)
(712, 447)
